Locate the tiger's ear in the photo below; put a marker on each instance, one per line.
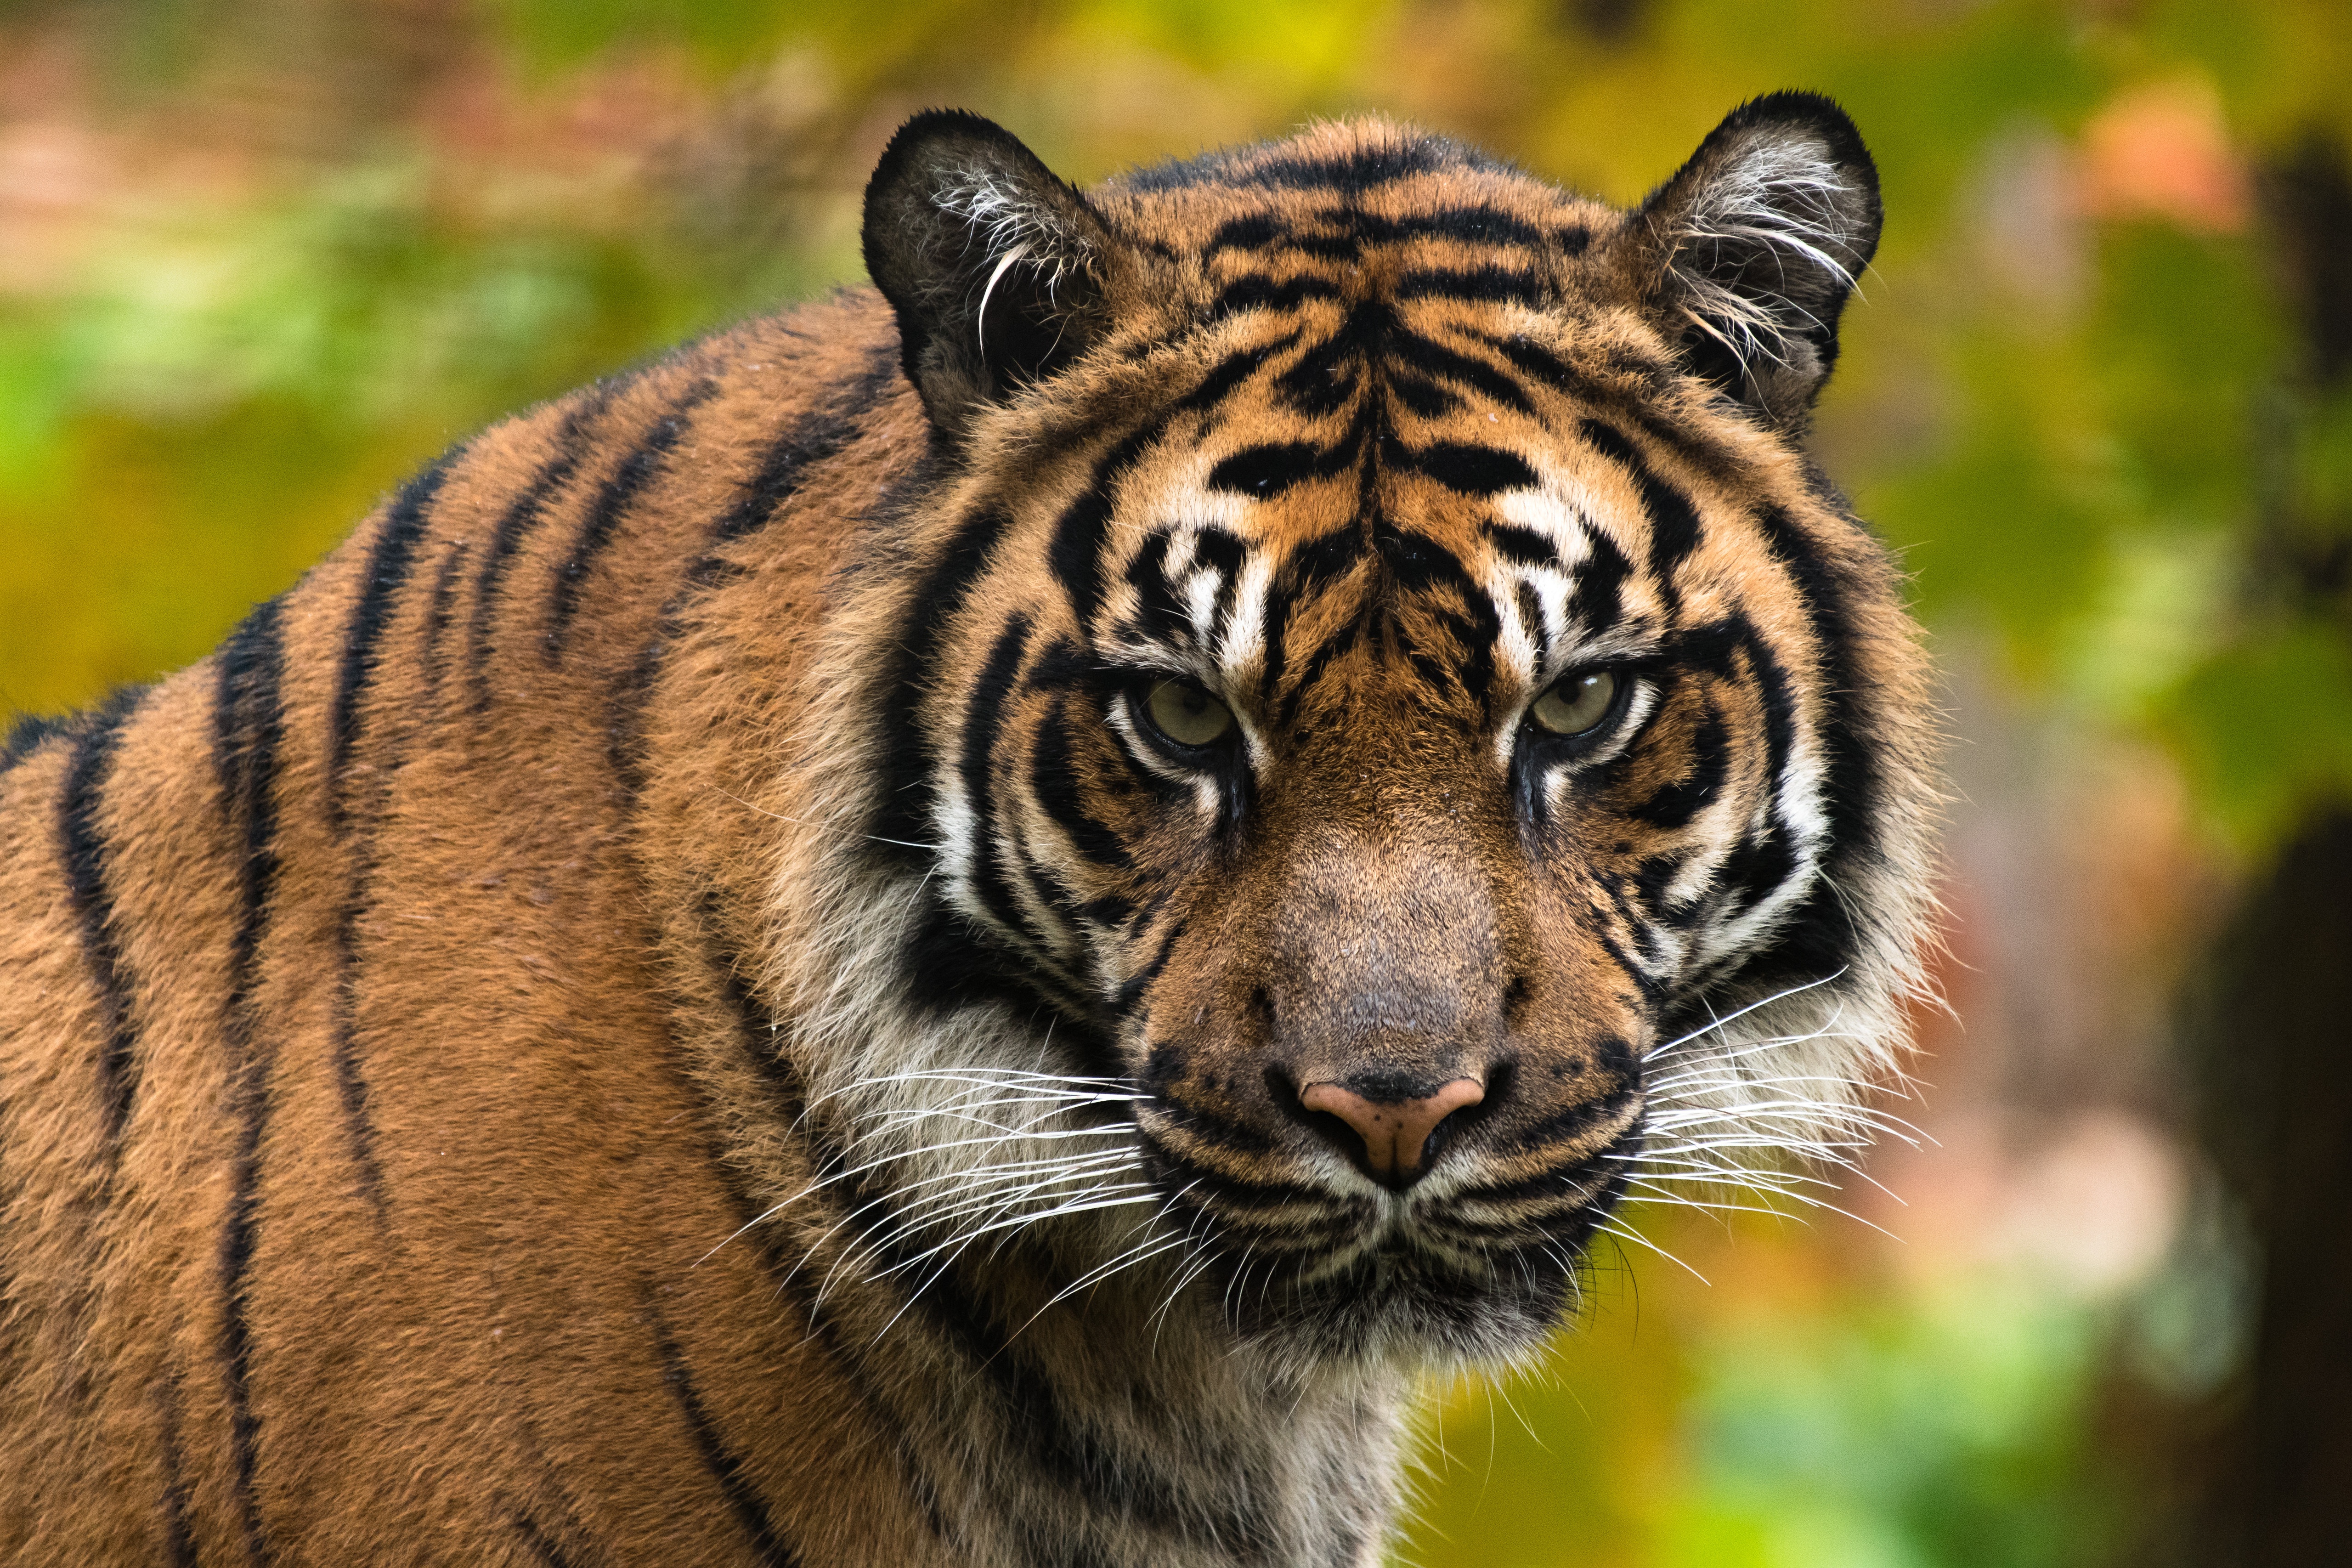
(1749, 252)
(993, 265)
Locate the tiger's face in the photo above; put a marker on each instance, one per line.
(1388, 701)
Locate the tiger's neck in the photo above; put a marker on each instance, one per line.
(1105, 1430)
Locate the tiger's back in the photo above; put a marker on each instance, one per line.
(965, 925)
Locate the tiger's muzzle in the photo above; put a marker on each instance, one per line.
(1392, 1098)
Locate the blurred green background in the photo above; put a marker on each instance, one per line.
(259, 259)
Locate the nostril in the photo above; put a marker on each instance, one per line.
(1333, 1130)
(1462, 1118)
(1394, 1133)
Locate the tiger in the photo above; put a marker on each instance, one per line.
(979, 922)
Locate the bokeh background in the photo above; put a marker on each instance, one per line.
(259, 259)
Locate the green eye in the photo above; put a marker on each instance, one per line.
(1576, 704)
(1186, 714)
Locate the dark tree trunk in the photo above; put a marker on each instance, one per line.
(2269, 1464)
(2280, 1108)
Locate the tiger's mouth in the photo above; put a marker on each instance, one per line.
(1473, 1262)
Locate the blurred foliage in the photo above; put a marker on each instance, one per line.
(261, 257)
(1776, 1416)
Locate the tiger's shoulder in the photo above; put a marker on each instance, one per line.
(338, 930)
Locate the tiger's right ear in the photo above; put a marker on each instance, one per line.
(993, 265)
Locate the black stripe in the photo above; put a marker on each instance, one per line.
(26, 732)
(1263, 472)
(1159, 615)
(1250, 166)
(1572, 1123)
(1583, 1185)
(1339, 644)
(248, 724)
(1820, 937)
(1321, 560)
(1225, 554)
(813, 437)
(1420, 394)
(1361, 169)
(1671, 805)
(1673, 522)
(756, 1027)
(725, 1466)
(1598, 596)
(1489, 283)
(1471, 224)
(758, 1036)
(438, 613)
(1319, 383)
(905, 814)
(1852, 783)
(540, 1544)
(613, 498)
(1254, 232)
(1256, 291)
(1231, 371)
(1430, 357)
(1474, 470)
(1523, 546)
(1074, 553)
(1061, 793)
(351, 1078)
(1214, 1127)
(1131, 990)
(520, 519)
(1653, 990)
(389, 560)
(1269, 1213)
(84, 852)
(1646, 889)
(1262, 231)
(1634, 390)
(179, 1534)
(983, 721)
(1531, 618)
(1775, 694)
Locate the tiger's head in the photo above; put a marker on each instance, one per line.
(1390, 744)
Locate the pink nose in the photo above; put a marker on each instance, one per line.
(1395, 1132)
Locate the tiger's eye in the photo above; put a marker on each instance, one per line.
(1576, 704)
(1187, 715)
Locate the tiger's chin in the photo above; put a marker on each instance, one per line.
(1409, 1287)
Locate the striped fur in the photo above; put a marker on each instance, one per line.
(670, 1002)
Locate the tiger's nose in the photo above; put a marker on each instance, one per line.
(1395, 1132)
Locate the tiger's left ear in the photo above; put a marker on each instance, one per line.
(995, 267)
(1749, 253)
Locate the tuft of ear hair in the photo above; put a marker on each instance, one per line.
(1752, 248)
(993, 265)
